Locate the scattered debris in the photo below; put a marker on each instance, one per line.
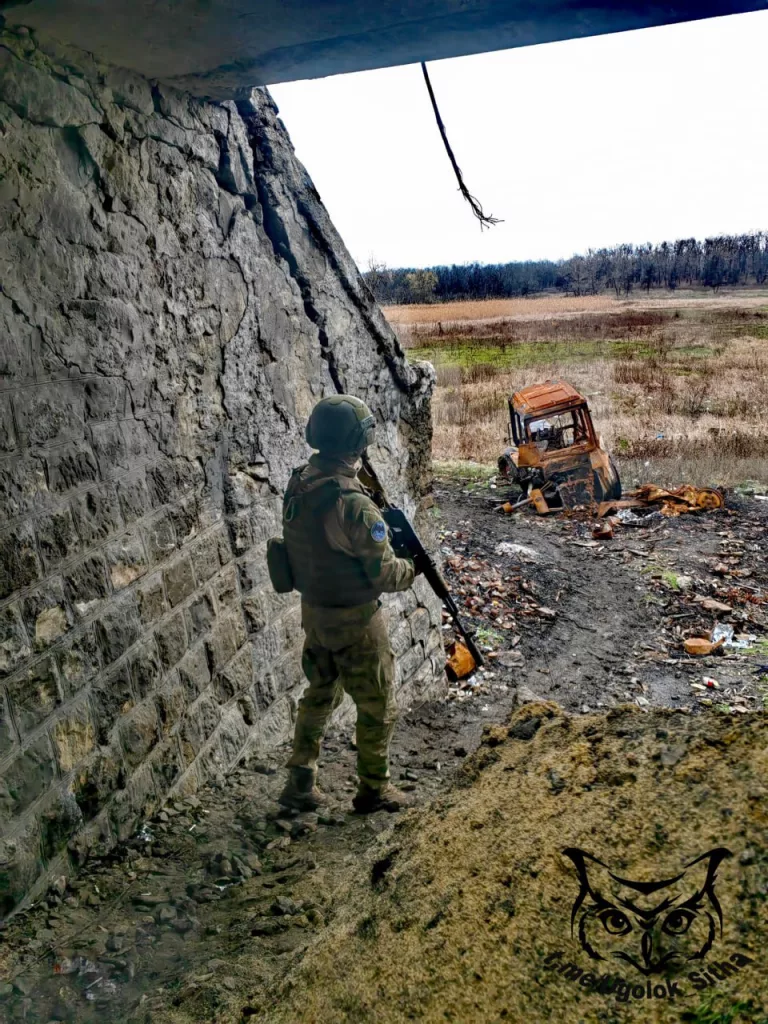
(700, 647)
(709, 604)
(672, 502)
(725, 632)
(460, 664)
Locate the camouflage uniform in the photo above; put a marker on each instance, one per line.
(341, 561)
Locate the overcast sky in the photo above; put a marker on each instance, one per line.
(634, 137)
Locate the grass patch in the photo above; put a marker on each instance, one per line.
(715, 1010)
(670, 579)
(677, 390)
(489, 637)
(455, 471)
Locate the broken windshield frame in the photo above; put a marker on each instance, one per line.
(559, 430)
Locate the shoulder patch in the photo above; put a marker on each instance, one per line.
(379, 531)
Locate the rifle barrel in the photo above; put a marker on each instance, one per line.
(433, 575)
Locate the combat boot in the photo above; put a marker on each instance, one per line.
(388, 798)
(301, 793)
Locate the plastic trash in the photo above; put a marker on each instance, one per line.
(724, 631)
(629, 518)
(75, 965)
(506, 547)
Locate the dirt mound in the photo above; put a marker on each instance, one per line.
(464, 912)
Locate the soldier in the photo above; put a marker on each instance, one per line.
(341, 561)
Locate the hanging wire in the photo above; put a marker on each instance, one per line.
(486, 220)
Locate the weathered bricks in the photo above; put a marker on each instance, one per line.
(46, 614)
(151, 600)
(179, 580)
(171, 701)
(51, 414)
(171, 636)
(126, 560)
(197, 725)
(78, 660)
(111, 696)
(85, 584)
(96, 514)
(420, 625)
(156, 373)
(195, 672)
(139, 732)
(56, 537)
(147, 664)
(14, 643)
(8, 739)
(70, 467)
(19, 862)
(200, 614)
(74, 736)
(118, 628)
(159, 537)
(26, 778)
(7, 430)
(34, 694)
(97, 779)
(19, 562)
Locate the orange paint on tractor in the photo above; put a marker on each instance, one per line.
(555, 450)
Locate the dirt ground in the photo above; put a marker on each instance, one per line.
(464, 913)
(223, 909)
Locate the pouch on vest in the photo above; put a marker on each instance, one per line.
(279, 566)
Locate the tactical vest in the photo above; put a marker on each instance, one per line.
(325, 577)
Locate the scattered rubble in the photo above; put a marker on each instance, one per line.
(671, 502)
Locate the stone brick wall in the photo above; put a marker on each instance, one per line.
(173, 301)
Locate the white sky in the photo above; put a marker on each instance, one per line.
(640, 136)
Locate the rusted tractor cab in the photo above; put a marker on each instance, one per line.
(554, 448)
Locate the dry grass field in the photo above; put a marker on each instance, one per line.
(678, 386)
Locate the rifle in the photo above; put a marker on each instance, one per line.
(406, 541)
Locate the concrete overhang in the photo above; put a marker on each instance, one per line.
(217, 47)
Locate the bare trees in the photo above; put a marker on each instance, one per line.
(722, 261)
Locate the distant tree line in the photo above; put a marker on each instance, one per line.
(725, 261)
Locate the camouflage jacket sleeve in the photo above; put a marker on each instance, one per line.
(368, 538)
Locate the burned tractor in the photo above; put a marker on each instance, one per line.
(555, 456)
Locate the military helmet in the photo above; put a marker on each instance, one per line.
(340, 424)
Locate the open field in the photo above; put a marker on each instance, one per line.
(555, 305)
(678, 386)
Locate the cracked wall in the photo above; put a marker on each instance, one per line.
(173, 301)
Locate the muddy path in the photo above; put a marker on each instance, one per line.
(612, 615)
(208, 907)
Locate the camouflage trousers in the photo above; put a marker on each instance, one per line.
(347, 649)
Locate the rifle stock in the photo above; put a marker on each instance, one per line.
(406, 540)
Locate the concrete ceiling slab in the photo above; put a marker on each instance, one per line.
(218, 47)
